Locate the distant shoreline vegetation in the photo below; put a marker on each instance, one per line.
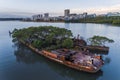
(102, 20)
(98, 20)
(114, 20)
(10, 19)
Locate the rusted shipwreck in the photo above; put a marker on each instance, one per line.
(82, 44)
(79, 60)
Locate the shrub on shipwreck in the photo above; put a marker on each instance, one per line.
(99, 40)
(47, 37)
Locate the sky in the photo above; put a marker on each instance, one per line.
(57, 7)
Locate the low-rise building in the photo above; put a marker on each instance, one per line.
(91, 16)
(113, 14)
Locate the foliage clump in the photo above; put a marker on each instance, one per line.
(99, 40)
(68, 43)
(48, 37)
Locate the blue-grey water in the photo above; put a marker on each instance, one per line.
(19, 63)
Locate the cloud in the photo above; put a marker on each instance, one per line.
(98, 10)
(15, 14)
(10, 12)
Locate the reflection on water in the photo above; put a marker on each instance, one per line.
(67, 26)
(19, 63)
(107, 60)
(24, 55)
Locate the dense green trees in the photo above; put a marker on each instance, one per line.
(67, 43)
(116, 22)
(44, 36)
(99, 40)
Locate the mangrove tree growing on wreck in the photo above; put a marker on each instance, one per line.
(99, 40)
(47, 37)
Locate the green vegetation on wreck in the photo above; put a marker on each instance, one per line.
(44, 37)
(99, 40)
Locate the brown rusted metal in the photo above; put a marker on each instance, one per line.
(62, 60)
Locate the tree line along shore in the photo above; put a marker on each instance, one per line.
(114, 20)
(100, 19)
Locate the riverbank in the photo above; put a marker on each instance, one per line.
(114, 23)
(97, 20)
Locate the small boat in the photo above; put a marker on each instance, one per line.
(79, 60)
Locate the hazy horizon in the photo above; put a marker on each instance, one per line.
(29, 7)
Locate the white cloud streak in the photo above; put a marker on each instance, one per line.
(99, 10)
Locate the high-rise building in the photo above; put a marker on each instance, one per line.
(46, 15)
(85, 14)
(37, 17)
(67, 12)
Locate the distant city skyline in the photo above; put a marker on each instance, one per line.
(55, 7)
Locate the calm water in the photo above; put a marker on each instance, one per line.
(19, 63)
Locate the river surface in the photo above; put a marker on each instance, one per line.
(17, 62)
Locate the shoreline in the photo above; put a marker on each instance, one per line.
(117, 25)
